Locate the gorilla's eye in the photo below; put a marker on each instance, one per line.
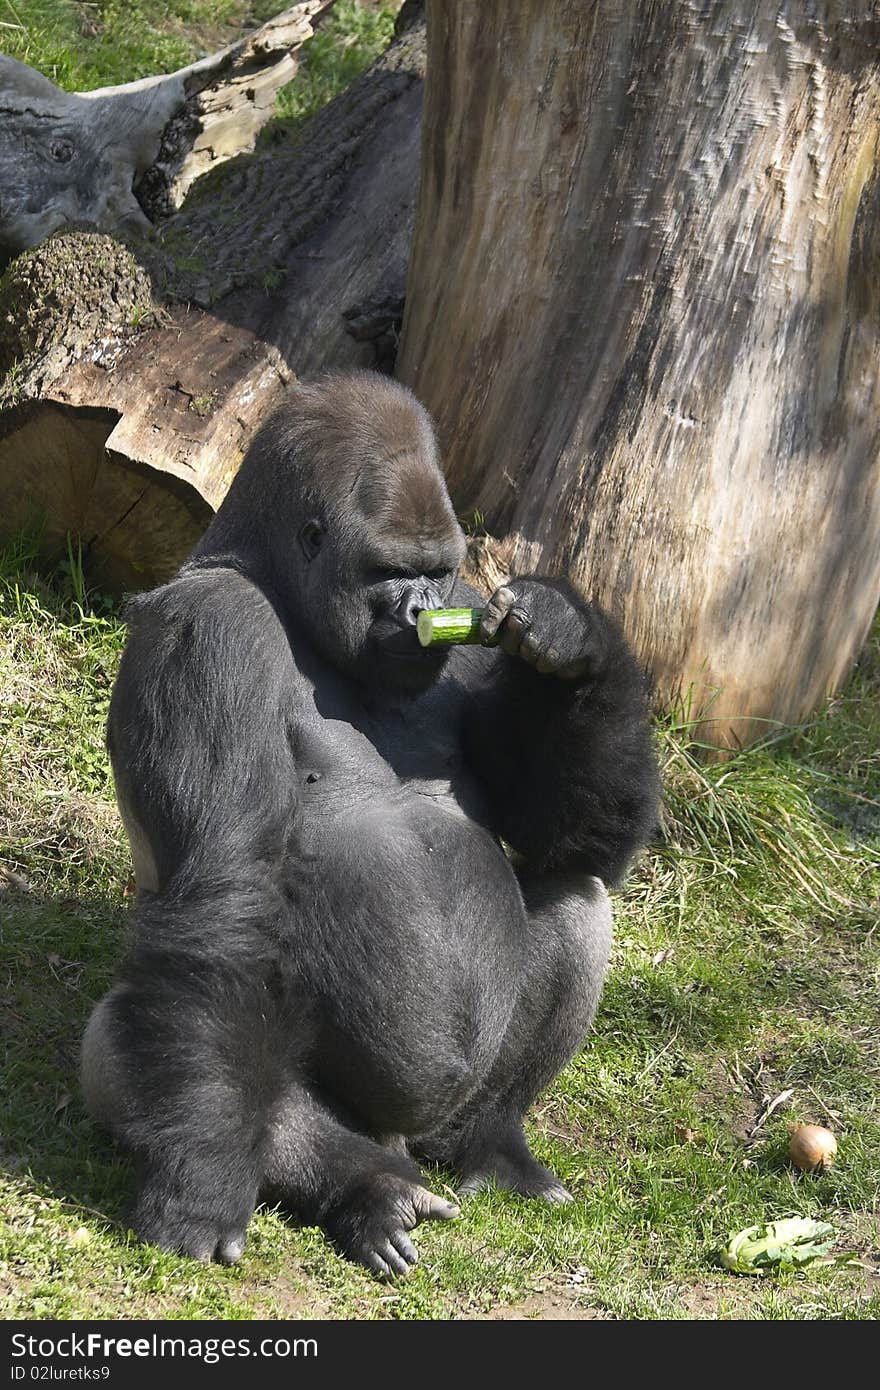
(311, 538)
(61, 151)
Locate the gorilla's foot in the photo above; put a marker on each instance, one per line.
(504, 1159)
(372, 1222)
(529, 1179)
(188, 1228)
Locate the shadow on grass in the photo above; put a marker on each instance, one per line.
(57, 958)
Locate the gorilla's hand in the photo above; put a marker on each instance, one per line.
(191, 1222)
(371, 1223)
(548, 626)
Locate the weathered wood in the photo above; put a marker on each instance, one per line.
(291, 260)
(644, 310)
(109, 156)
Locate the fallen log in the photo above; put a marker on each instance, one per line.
(123, 158)
(136, 375)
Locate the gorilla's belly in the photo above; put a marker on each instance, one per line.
(415, 945)
(408, 867)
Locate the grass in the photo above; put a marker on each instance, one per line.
(347, 42)
(746, 966)
(81, 46)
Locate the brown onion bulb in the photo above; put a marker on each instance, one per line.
(812, 1148)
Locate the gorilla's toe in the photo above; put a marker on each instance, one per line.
(230, 1249)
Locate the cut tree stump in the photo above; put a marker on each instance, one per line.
(644, 310)
(136, 376)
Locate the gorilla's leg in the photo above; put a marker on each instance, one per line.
(366, 1196)
(194, 1142)
(569, 942)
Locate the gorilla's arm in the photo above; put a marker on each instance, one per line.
(191, 1042)
(556, 730)
(205, 779)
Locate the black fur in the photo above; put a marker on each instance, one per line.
(334, 964)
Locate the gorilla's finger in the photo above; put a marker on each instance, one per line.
(557, 1195)
(572, 671)
(195, 1243)
(548, 662)
(429, 1207)
(405, 1247)
(201, 1250)
(530, 651)
(496, 611)
(373, 1261)
(516, 625)
(395, 1261)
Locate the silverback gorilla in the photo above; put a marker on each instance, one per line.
(334, 964)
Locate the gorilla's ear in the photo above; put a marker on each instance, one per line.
(310, 538)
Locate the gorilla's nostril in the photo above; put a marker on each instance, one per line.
(407, 609)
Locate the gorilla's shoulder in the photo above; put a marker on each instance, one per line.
(214, 614)
(214, 595)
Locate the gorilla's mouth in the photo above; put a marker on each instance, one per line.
(403, 645)
(400, 664)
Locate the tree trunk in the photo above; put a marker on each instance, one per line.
(644, 309)
(287, 261)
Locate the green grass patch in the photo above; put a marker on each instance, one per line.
(746, 965)
(83, 46)
(108, 42)
(351, 37)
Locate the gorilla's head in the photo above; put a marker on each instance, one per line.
(340, 506)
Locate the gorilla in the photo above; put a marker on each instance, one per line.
(371, 921)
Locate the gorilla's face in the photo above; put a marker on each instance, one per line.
(365, 591)
(377, 539)
(340, 507)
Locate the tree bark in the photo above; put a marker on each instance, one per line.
(286, 261)
(644, 309)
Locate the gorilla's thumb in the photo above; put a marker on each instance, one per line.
(430, 1207)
